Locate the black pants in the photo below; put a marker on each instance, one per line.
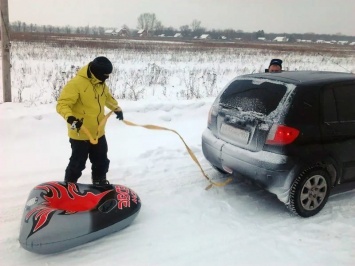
(97, 154)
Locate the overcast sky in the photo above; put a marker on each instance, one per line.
(272, 16)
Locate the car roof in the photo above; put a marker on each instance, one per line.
(305, 77)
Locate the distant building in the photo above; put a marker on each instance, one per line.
(124, 32)
(142, 33)
(108, 32)
(117, 32)
(280, 39)
(178, 35)
(261, 39)
(205, 36)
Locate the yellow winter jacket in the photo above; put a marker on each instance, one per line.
(85, 97)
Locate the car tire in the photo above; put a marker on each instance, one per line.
(309, 192)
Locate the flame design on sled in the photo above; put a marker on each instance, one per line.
(60, 215)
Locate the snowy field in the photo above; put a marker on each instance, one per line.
(180, 223)
(39, 70)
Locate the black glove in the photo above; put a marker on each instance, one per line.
(119, 115)
(75, 122)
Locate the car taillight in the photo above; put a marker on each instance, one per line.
(281, 135)
(212, 112)
(209, 117)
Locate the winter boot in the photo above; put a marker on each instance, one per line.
(96, 181)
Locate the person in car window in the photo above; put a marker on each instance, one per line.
(275, 66)
(82, 102)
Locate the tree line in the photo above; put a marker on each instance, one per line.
(154, 27)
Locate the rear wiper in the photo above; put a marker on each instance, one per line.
(227, 106)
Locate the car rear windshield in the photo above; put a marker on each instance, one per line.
(253, 96)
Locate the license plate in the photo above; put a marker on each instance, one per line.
(234, 133)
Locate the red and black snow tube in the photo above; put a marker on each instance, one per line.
(60, 215)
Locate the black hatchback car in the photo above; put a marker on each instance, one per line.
(291, 132)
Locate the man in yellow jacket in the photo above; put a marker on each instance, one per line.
(82, 102)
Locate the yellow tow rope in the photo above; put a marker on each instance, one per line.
(99, 129)
(153, 127)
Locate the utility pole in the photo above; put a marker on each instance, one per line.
(5, 50)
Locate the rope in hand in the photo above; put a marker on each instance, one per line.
(153, 127)
(99, 129)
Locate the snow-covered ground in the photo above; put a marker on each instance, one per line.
(180, 223)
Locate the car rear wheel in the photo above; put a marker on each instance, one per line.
(309, 192)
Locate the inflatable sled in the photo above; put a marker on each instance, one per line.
(60, 215)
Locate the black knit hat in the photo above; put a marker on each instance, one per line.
(277, 62)
(101, 67)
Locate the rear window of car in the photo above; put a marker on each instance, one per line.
(253, 96)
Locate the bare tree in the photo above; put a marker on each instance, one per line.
(185, 30)
(196, 27)
(148, 22)
(229, 33)
(159, 26)
(32, 27)
(50, 28)
(67, 29)
(17, 26)
(24, 26)
(87, 29)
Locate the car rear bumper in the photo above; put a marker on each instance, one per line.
(274, 172)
